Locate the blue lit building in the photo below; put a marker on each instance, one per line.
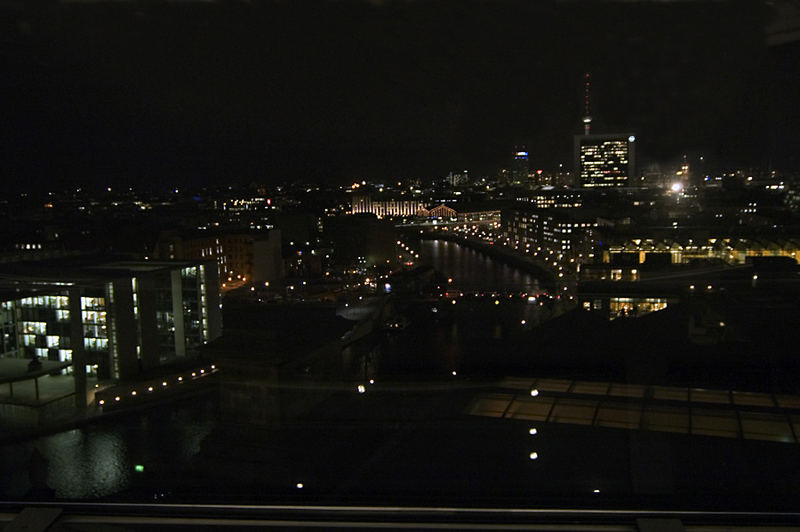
(519, 166)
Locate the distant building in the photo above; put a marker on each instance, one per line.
(553, 198)
(255, 256)
(481, 211)
(297, 228)
(792, 198)
(361, 204)
(110, 320)
(634, 251)
(519, 166)
(442, 211)
(604, 160)
(361, 238)
(458, 179)
(551, 231)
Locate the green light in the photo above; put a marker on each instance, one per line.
(139, 468)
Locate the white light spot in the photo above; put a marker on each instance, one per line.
(532, 431)
(534, 455)
(361, 388)
(534, 392)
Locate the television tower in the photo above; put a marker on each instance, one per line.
(587, 117)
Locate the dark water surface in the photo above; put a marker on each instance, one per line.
(100, 460)
(472, 270)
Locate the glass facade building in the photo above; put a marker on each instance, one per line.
(113, 321)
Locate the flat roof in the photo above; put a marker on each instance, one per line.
(16, 369)
(69, 270)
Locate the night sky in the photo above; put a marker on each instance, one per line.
(148, 92)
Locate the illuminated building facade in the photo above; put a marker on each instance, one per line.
(442, 211)
(604, 160)
(519, 166)
(254, 255)
(666, 251)
(550, 230)
(110, 320)
(361, 204)
(555, 198)
(622, 303)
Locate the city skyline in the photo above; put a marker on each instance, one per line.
(397, 90)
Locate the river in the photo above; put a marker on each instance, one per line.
(101, 459)
(471, 270)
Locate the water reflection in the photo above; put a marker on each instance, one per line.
(468, 335)
(99, 460)
(472, 270)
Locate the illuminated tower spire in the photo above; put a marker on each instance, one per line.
(587, 117)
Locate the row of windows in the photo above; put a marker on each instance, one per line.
(43, 302)
(93, 303)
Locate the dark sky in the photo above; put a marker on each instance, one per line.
(335, 90)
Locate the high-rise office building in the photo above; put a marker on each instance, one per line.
(601, 160)
(519, 166)
(604, 160)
